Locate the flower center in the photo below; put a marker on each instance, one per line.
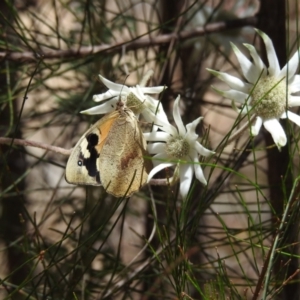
(269, 97)
(177, 147)
(135, 104)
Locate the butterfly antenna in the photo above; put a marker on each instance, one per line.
(121, 103)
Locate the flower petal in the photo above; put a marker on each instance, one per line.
(153, 89)
(156, 108)
(256, 128)
(291, 67)
(233, 82)
(158, 168)
(294, 101)
(257, 60)
(293, 117)
(105, 96)
(137, 91)
(202, 150)
(154, 148)
(233, 94)
(250, 71)
(161, 158)
(114, 86)
(246, 109)
(161, 123)
(277, 132)
(294, 85)
(103, 108)
(156, 136)
(177, 117)
(274, 67)
(186, 176)
(191, 134)
(199, 172)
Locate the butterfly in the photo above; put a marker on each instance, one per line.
(111, 153)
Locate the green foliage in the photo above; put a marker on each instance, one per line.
(227, 240)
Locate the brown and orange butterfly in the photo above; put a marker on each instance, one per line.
(111, 153)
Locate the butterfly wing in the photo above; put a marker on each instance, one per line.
(111, 153)
(83, 164)
(122, 164)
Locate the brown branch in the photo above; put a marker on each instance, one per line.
(28, 143)
(140, 42)
(63, 151)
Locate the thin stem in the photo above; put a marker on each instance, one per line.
(28, 143)
(294, 194)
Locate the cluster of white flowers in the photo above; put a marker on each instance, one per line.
(172, 146)
(267, 94)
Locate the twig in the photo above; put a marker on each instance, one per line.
(241, 130)
(63, 151)
(139, 42)
(264, 277)
(120, 283)
(28, 143)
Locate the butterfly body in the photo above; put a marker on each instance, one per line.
(111, 153)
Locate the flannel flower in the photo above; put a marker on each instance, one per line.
(137, 100)
(179, 145)
(267, 92)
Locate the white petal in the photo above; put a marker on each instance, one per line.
(153, 89)
(156, 136)
(161, 158)
(137, 91)
(256, 58)
(154, 148)
(161, 123)
(256, 128)
(198, 171)
(114, 86)
(294, 101)
(160, 113)
(202, 150)
(156, 108)
(250, 71)
(293, 117)
(233, 94)
(186, 175)
(246, 109)
(294, 85)
(105, 96)
(191, 129)
(103, 108)
(150, 118)
(274, 67)
(233, 82)
(158, 168)
(291, 67)
(177, 117)
(277, 132)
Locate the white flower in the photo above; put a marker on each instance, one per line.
(267, 92)
(136, 99)
(179, 145)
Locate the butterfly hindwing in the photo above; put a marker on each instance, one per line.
(82, 166)
(111, 153)
(122, 156)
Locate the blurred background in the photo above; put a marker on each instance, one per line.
(60, 241)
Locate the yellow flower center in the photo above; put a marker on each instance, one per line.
(269, 97)
(134, 104)
(177, 147)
